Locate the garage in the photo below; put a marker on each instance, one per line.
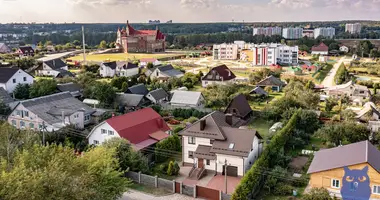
(231, 171)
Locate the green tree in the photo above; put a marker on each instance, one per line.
(118, 82)
(341, 74)
(170, 144)
(76, 43)
(331, 103)
(150, 65)
(5, 110)
(276, 175)
(94, 68)
(43, 87)
(103, 44)
(343, 132)
(22, 91)
(103, 92)
(48, 43)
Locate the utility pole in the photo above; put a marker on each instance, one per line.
(225, 175)
(84, 46)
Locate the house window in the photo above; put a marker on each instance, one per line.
(24, 79)
(207, 162)
(191, 140)
(110, 133)
(104, 131)
(31, 126)
(26, 113)
(87, 118)
(361, 92)
(14, 80)
(191, 154)
(18, 112)
(376, 189)
(22, 124)
(335, 183)
(96, 142)
(13, 122)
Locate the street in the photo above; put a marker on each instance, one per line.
(136, 195)
(329, 80)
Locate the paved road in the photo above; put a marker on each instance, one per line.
(136, 195)
(329, 80)
(58, 55)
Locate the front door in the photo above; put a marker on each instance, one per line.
(200, 163)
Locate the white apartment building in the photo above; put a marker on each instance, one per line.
(353, 28)
(267, 31)
(292, 33)
(328, 32)
(270, 54)
(225, 51)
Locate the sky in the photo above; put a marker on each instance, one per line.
(137, 11)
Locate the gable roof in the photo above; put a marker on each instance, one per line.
(185, 97)
(4, 48)
(137, 126)
(320, 47)
(346, 85)
(63, 73)
(159, 94)
(138, 89)
(129, 100)
(69, 87)
(259, 90)
(271, 81)
(55, 63)
(5, 97)
(223, 71)
(126, 65)
(111, 65)
(352, 154)
(26, 49)
(241, 104)
(170, 71)
(6, 74)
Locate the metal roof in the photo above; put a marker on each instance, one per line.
(185, 97)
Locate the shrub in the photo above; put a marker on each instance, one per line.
(178, 129)
(170, 168)
(283, 189)
(167, 148)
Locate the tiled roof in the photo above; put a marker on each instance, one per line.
(129, 100)
(170, 71)
(138, 89)
(4, 48)
(26, 49)
(5, 97)
(259, 90)
(320, 47)
(159, 94)
(126, 65)
(223, 71)
(69, 87)
(111, 65)
(241, 104)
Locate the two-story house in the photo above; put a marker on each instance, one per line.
(348, 172)
(51, 113)
(142, 128)
(187, 99)
(218, 75)
(356, 93)
(11, 77)
(52, 68)
(164, 73)
(25, 51)
(212, 142)
(111, 69)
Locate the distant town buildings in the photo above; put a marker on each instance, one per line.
(169, 22)
(271, 54)
(308, 33)
(267, 31)
(353, 28)
(292, 33)
(225, 51)
(154, 21)
(328, 32)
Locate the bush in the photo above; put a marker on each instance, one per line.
(178, 129)
(317, 194)
(283, 189)
(167, 148)
(170, 168)
(173, 169)
(192, 120)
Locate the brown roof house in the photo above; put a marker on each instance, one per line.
(218, 75)
(348, 172)
(25, 51)
(320, 49)
(273, 82)
(214, 140)
(239, 107)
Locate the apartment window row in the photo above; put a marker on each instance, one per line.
(107, 132)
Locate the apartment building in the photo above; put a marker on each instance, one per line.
(267, 31)
(353, 28)
(292, 33)
(271, 54)
(308, 33)
(225, 51)
(328, 32)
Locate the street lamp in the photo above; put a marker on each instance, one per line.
(225, 174)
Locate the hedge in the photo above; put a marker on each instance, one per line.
(254, 179)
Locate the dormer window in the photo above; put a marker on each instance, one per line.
(231, 146)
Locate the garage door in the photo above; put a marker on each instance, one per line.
(231, 171)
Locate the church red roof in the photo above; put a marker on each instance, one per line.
(133, 32)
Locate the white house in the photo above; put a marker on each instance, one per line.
(218, 75)
(52, 68)
(11, 77)
(213, 142)
(187, 99)
(144, 62)
(344, 48)
(111, 69)
(321, 49)
(165, 72)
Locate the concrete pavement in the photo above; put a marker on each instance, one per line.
(136, 195)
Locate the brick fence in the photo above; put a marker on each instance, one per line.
(177, 187)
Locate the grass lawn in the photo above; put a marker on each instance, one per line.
(120, 56)
(260, 105)
(150, 190)
(317, 142)
(37, 78)
(358, 69)
(105, 80)
(261, 126)
(321, 75)
(198, 88)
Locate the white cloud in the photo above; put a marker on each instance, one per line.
(197, 3)
(107, 2)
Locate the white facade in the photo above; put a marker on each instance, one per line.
(206, 83)
(241, 44)
(267, 31)
(155, 63)
(270, 54)
(48, 71)
(292, 33)
(353, 28)
(20, 77)
(322, 53)
(101, 133)
(325, 32)
(344, 49)
(127, 72)
(225, 51)
(106, 71)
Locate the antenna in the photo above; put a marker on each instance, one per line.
(84, 46)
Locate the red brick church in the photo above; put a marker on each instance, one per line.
(130, 40)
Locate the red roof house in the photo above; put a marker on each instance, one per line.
(321, 49)
(141, 128)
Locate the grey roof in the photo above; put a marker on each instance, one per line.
(271, 81)
(259, 90)
(26, 48)
(48, 107)
(64, 73)
(5, 97)
(159, 94)
(129, 100)
(126, 65)
(69, 87)
(6, 74)
(169, 70)
(4, 48)
(185, 97)
(352, 154)
(138, 89)
(55, 63)
(111, 65)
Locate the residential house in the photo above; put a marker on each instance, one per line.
(111, 69)
(356, 93)
(275, 83)
(239, 107)
(218, 75)
(187, 99)
(212, 142)
(75, 89)
(130, 101)
(320, 49)
(7, 100)
(349, 172)
(4, 48)
(158, 96)
(108, 69)
(145, 61)
(259, 91)
(139, 89)
(142, 128)
(53, 68)
(51, 113)
(344, 48)
(165, 72)
(25, 51)
(311, 68)
(11, 77)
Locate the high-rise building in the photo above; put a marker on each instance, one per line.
(292, 33)
(325, 32)
(225, 51)
(353, 28)
(308, 33)
(271, 54)
(268, 31)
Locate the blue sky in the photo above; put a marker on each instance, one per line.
(186, 10)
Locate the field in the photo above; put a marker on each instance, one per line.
(120, 57)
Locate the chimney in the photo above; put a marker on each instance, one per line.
(203, 124)
(229, 119)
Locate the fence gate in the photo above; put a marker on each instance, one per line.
(207, 193)
(177, 188)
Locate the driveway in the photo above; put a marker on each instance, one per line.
(218, 183)
(136, 195)
(329, 80)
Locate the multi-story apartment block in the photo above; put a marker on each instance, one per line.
(271, 54)
(292, 33)
(225, 51)
(353, 28)
(268, 31)
(325, 32)
(308, 33)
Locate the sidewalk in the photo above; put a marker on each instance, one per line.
(136, 195)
